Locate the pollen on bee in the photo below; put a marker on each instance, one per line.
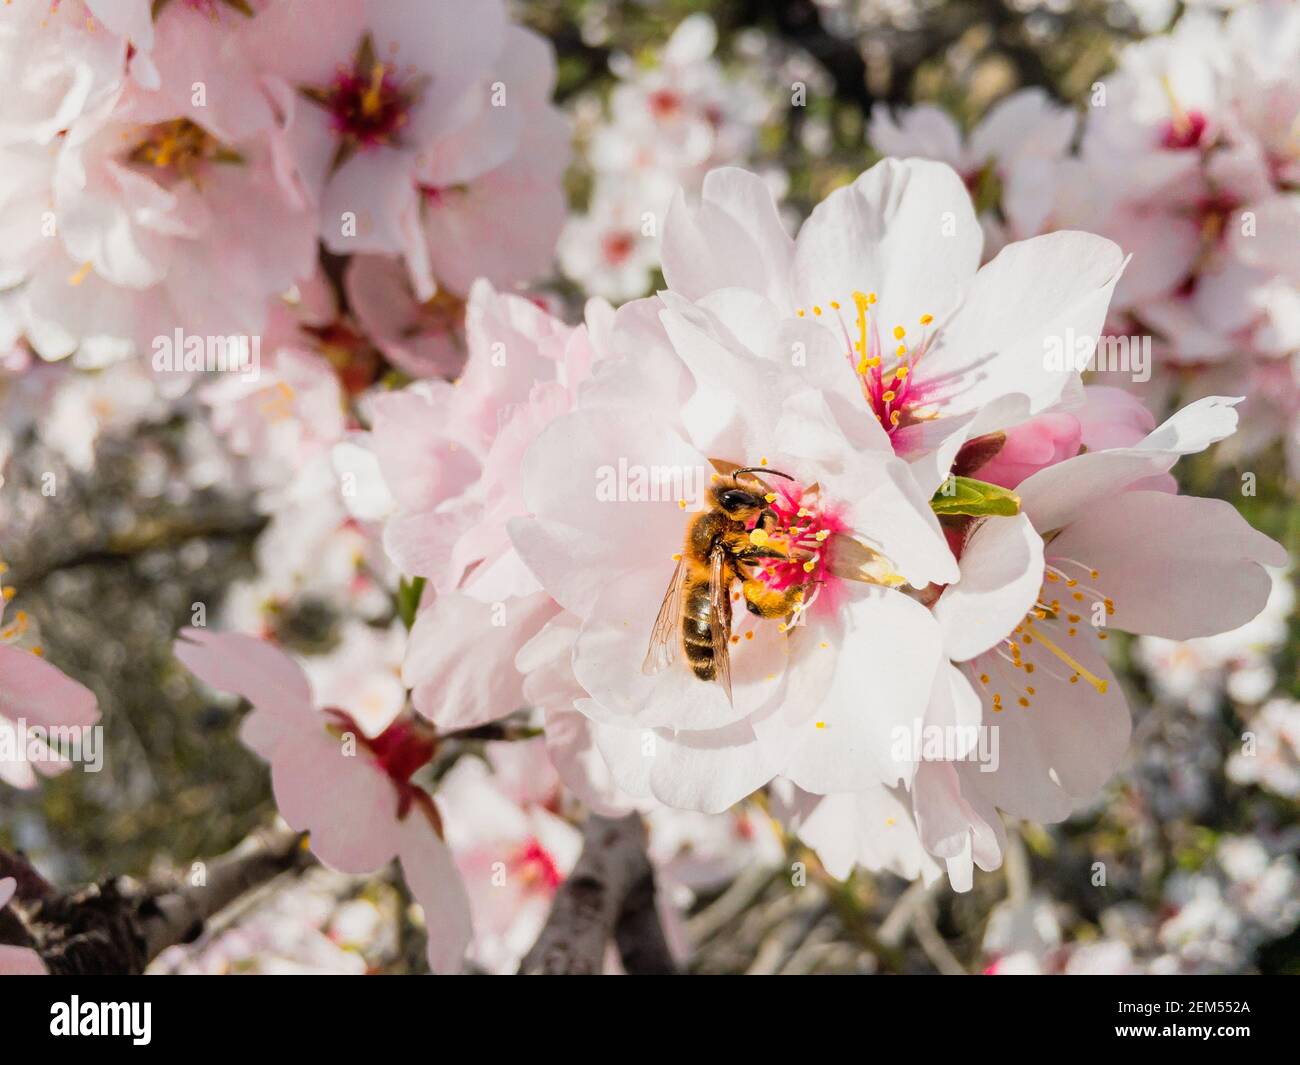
(758, 537)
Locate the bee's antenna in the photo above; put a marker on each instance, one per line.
(760, 469)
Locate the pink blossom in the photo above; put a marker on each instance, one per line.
(353, 793)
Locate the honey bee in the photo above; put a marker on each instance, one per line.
(696, 610)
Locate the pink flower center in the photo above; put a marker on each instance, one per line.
(886, 374)
(369, 108)
(616, 247)
(802, 533)
(536, 867)
(401, 749)
(664, 103)
(368, 102)
(179, 149)
(1184, 130)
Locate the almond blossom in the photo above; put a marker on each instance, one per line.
(410, 123)
(1094, 549)
(447, 458)
(928, 345)
(511, 846)
(693, 396)
(352, 792)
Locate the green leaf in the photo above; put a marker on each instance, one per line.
(965, 495)
(408, 599)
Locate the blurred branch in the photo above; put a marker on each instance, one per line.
(609, 893)
(117, 927)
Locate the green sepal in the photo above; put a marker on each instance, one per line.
(965, 495)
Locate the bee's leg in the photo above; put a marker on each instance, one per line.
(769, 603)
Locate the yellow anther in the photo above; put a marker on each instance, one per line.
(83, 271)
(899, 332)
(823, 534)
(372, 99)
(926, 319)
(758, 537)
(817, 310)
(902, 372)
(889, 397)
(770, 497)
(895, 418)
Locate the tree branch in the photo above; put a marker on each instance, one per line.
(118, 927)
(610, 892)
(179, 916)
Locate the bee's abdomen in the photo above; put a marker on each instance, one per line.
(697, 629)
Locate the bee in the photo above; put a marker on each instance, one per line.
(696, 610)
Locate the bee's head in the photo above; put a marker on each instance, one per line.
(739, 501)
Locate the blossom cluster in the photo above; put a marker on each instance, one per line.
(826, 543)
(1187, 155)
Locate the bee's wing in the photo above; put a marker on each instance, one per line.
(720, 616)
(666, 634)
